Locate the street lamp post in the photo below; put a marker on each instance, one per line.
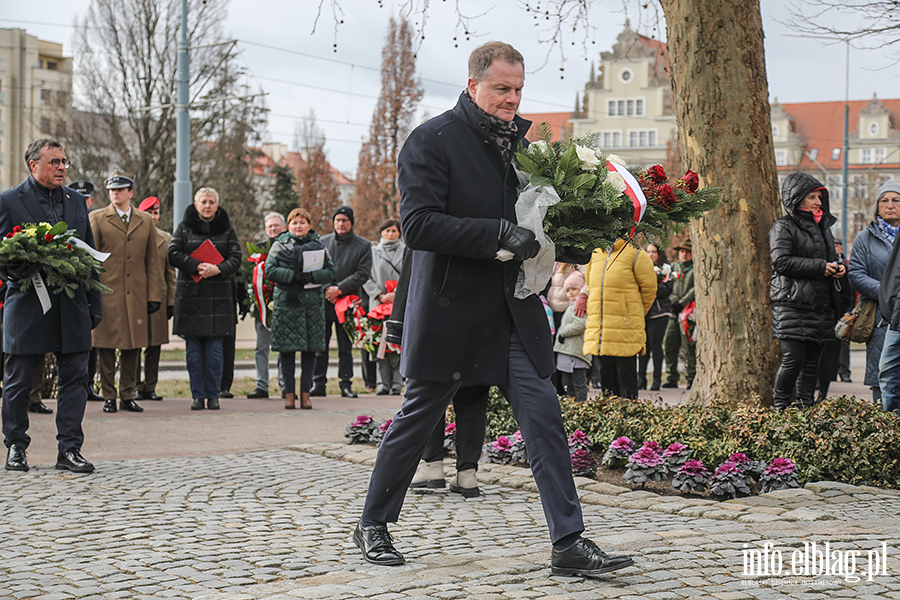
(182, 191)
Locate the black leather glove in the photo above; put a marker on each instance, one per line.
(560, 339)
(677, 307)
(170, 312)
(303, 278)
(95, 320)
(518, 240)
(393, 331)
(152, 307)
(21, 271)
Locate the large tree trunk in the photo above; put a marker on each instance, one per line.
(718, 77)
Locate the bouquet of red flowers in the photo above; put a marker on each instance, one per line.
(261, 288)
(365, 330)
(65, 262)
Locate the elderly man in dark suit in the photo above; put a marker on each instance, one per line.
(65, 329)
(462, 322)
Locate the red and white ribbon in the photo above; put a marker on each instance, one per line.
(259, 279)
(632, 190)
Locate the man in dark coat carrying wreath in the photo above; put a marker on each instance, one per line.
(65, 328)
(462, 323)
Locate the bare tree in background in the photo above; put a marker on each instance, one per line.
(126, 66)
(315, 181)
(377, 196)
(872, 24)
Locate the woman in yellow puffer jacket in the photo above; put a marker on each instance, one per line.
(621, 287)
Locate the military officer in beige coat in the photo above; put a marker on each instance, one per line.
(159, 321)
(133, 273)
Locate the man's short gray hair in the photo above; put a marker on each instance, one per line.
(36, 149)
(481, 58)
(274, 215)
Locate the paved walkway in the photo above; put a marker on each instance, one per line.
(255, 502)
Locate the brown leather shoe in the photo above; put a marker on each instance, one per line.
(290, 401)
(305, 402)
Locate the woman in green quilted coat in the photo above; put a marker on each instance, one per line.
(298, 264)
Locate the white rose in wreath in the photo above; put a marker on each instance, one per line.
(616, 180)
(588, 158)
(616, 159)
(540, 145)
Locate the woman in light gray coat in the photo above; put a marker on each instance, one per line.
(387, 262)
(871, 250)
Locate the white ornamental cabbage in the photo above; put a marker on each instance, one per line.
(588, 158)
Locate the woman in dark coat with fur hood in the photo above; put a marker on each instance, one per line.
(806, 280)
(205, 309)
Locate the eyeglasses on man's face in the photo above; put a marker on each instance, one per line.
(56, 162)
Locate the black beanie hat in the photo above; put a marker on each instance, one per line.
(344, 210)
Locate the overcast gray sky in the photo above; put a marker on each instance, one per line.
(342, 86)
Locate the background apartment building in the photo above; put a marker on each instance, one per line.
(35, 98)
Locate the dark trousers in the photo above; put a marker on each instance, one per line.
(575, 383)
(470, 406)
(618, 375)
(800, 366)
(128, 372)
(536, 409)
(228, 344)
(72, 397)
(345, 351)
(369, 369)
(829, 362)
(204, 365)
(656, 332)
(151, 370)
(92, 366)
(287, 362)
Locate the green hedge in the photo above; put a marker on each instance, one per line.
(842, 439)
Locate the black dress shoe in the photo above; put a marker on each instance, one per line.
(225, 394)
(110, 406)
(383, 393)
(258, 393)
(585, 558)
(670, 384)
(197, 404)
(40, 407)
(130, 406)
(152, 396)
(15, 458)
(347, 392)
(377, 545)
(317, 390)
(93, 396)
(71, 460)
(212, 404)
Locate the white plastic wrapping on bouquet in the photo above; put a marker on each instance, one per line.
(531, 208)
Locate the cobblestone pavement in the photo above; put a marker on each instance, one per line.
(276, 524)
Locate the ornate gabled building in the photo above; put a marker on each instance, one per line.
(808, 136)
(629, 104)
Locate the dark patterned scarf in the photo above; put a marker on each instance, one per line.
(503, 132)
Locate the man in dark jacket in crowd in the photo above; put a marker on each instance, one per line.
(463, 324)
(274, 224)
(352, 256)
(64, 328)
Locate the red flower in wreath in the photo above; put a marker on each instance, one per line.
(690, 181)
(657, 173)
(17, 229)
(667, 194)
(48, 237)
(10, 234)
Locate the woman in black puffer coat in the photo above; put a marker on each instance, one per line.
(205, 309)
(806, 281)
